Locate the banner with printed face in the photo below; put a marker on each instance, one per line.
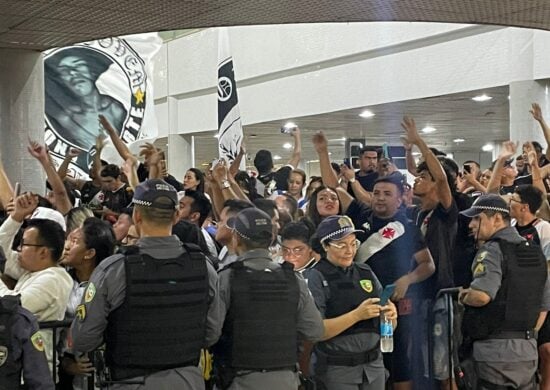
(110, 77)
(230, 131)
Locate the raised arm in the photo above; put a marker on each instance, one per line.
(62, 170)
(118, 143)
(537, 115)
(40, 152)
(507, 150)
(535, 170)
(320, 144)
(434, 166)
(234, 168)
(6, 190)
(297, 152)
(360, 193)
(409, 158)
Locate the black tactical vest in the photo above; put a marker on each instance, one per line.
(259, 332)
(161, 323)
(517, 304)
(346, 295)
(10, 370)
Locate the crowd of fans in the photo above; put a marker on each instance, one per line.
(411, 235)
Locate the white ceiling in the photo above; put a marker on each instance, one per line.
(454, 116)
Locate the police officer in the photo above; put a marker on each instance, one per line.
(504, 299)
(268, 309)
(155, 306)
(21, 348)
(347, 294)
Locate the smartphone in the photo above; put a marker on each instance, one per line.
(467, 168)
(385, 151)
(386, 294)
(347, 163)
(17, 190)
(288, 128)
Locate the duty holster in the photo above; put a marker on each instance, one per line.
(223, 376)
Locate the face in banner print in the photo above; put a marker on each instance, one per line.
(73, 100)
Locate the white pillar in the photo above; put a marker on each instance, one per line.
(22, 115)
(522, 125)
(181, 147)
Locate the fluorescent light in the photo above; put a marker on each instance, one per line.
(216, 136)
(428, 129)
(344, 139)
(481, 98)
(277, 157)
(330, 153)
(416, 153)
(287, 145)
(459, 140)
(366, 114)
(487, 147)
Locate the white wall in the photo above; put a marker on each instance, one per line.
(327, 66)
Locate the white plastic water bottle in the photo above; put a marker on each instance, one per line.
(386, 334)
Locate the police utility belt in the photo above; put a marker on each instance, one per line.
(515, 334)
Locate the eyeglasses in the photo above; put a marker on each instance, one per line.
(298, 251)
(22, 244)
(515, 200)
(353, 245)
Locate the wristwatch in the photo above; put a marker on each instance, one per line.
(225, 184)
(352, 180)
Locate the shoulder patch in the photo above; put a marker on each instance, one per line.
(81, 312)
(90, 293)
(38, 341)
(479, 269)
(481, 256)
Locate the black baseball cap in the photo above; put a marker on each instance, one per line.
(252, 224)
(150, 191)
(489, 202)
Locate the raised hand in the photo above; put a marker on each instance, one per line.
(73, 153)
(508, 150)
(347, 172)
(24, 205)
(536, 112)
(411, 133)
(220, 171)
(38, 151)
(320, 142)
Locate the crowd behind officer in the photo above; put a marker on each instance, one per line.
(152, 307)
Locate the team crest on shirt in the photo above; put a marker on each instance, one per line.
(90, 293)
(3, 354)
(366, 285)
(38, 341)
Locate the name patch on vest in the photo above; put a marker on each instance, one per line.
(366, 285)
(38, 341)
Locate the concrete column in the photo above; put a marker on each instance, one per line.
(181, 147)
(21, 115)
(522, 125)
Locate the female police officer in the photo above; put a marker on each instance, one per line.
(347, 295)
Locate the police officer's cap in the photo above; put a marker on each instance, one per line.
(489, 202)
(335, 227)
(251, 224)
(151, 191)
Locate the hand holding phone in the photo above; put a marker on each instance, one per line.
(467, 168)
(17, 190)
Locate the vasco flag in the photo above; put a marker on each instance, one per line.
(111, 77)
(230, 131)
